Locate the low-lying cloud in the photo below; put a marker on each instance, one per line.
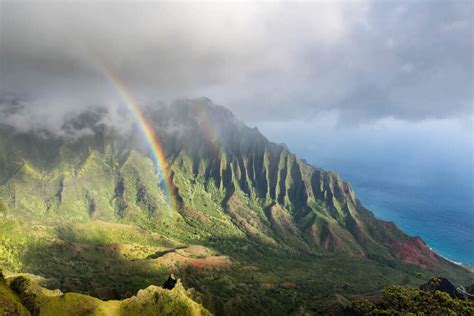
(57, 120)
(364, 60)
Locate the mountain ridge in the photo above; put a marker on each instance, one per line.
(241, 159)
(235, 190)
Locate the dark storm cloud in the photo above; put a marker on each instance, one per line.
(363, 60)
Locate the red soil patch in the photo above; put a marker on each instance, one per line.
(175, 260)
(197, 215)
(411, 250)
(288, 285)
(414, 251)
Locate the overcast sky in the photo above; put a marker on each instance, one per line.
(361, 60)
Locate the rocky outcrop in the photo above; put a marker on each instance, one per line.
(443, 285)
(170, 283)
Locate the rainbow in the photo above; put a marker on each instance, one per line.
(152, 140)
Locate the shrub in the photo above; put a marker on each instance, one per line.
(404, 300)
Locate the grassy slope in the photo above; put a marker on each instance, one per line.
(97, 257)
(10, 303)
(20, 296)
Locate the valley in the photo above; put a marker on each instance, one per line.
(254, 229)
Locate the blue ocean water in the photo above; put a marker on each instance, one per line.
(444, 220)
(418, 175)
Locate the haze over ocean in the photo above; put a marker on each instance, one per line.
(418, 175)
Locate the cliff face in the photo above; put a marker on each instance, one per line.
(301, 202)
(227, 178)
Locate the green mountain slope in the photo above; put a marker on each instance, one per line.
(256, 228)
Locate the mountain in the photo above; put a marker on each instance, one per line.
(255, 229)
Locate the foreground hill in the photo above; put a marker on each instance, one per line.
(255, 229)
(20, 296)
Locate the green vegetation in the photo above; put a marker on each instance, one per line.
(404, 300)
(21, 296)
(256, 230)
(10, 303)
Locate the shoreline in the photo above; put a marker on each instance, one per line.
(373, 207)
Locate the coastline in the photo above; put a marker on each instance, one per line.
(413, 228)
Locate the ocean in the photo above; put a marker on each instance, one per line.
(444, 221)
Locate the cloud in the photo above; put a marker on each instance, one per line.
(62, 119)
(364, 60)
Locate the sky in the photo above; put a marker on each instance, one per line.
(380, 91)
(267, 61)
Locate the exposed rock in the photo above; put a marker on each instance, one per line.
(413, 250)
(443, 285)
(170, 283)
(470, 289)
